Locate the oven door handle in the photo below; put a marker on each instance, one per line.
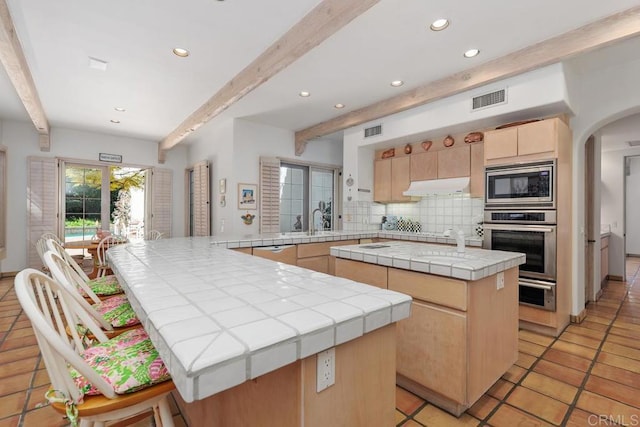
(510, 228)
(537, 285)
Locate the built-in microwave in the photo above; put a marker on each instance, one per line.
(521, 186)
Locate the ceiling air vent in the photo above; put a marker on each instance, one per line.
(633, 143)
(373, 131)
(489, 99)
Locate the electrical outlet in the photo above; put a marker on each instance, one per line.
(326, 369)
(500, 280)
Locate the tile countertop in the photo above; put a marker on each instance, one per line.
(274, 239)
(473, 264)
(220, 317)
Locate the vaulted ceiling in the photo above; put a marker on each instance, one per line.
(249, 59)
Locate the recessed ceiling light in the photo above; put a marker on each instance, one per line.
(304, 94)
(115, 121)
(397, 83)
(119, 109)
(439, 24)
(182, 53)
(338, 106)
(471, 53)
(98, 64)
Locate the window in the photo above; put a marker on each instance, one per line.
(3, 202)
(293, 194)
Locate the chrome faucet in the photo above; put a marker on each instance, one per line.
(312, 226)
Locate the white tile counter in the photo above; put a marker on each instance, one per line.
(220, 318)
(473, 264)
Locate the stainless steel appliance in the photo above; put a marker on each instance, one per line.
(532, 232)
(521, 186)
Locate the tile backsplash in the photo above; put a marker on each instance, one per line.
(435, 213)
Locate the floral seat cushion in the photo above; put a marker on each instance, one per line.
(128, 362)
(117, 311)
(104, 286)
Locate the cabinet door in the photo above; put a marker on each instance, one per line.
(501, 143)
(454, 162)
(316, 263)
(382, 181)
(432, 349)
(477, 170)
(371, 274)
(424, 166)
(538, 137)
(400, 178)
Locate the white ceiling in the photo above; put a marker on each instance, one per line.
(354, 67)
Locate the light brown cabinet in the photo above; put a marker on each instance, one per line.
(531, 141)
(424, 166)
(285, 254)
(454, 162)
(391, 178)
(371, 274)
(476, 183)
(315, 256)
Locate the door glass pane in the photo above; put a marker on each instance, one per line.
(293, 209)
(83, 202)
(322, 198)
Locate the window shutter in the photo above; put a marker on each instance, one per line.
(161, 204)
(42, 203)
(3, 203)
(201, 199)
(269, 195)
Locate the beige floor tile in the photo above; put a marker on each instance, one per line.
(619, 362)
(581, 330)
(580, 418)
(10, 421)
(530, 348)
(18, 367)
(627, 342)
(581, 340)
(621, 350)
(614, 390)
(568, 360)
(619, 375)
(508, 416)
(45, 416)
(565, 374)
(500, 389)
(15, 383)
(535, 338)
(483, 407)
(11, 404)
(592, 402)
(542, 406)
(578, 350)
(514, 374)
(406, 401)
(550, 387)
(435, 417)
(525, 360)
(400, 417)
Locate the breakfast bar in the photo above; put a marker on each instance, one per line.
(238, 331)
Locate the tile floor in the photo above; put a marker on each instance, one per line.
(592, 370)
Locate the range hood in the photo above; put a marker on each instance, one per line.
(437, 186)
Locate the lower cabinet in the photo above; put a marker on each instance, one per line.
(315, 256)
(371, 274)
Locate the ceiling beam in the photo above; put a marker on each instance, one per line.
(606, 31)
(318, 25)
(15, 64)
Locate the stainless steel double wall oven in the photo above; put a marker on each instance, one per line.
(520, 216)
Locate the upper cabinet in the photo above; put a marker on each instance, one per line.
(454, 162)
(424, 166)
(531, 141)
(391, 177)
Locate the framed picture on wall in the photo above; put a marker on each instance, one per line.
(247, 196)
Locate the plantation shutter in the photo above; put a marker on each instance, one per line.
(3, 202)
(269, 195)
(42, 203)
(201, 199)
(159, 214)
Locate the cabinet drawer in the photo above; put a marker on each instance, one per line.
(316, 263)
(370, 274)
(438, 290)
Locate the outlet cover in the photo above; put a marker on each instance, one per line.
(326, 369)
(500, 280)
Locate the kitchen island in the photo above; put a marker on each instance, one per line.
(240, 334)
(462, 335)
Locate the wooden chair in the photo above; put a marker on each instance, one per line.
(103, 247)
(114, 314)
(153, 235)
(101, 287)
(81, 385)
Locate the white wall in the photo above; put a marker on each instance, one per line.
(234, 149)
(21, 141)
(632, 203)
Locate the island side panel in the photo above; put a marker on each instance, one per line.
(493, 331)
(364, 393)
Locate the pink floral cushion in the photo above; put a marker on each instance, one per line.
(128, 362)
(117, 311)
(103, 286)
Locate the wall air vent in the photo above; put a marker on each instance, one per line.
(373, 131)
(489, 99)
(634, 143)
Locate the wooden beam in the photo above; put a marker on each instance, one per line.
(15, 64)
(606, 31)
(318, 25)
